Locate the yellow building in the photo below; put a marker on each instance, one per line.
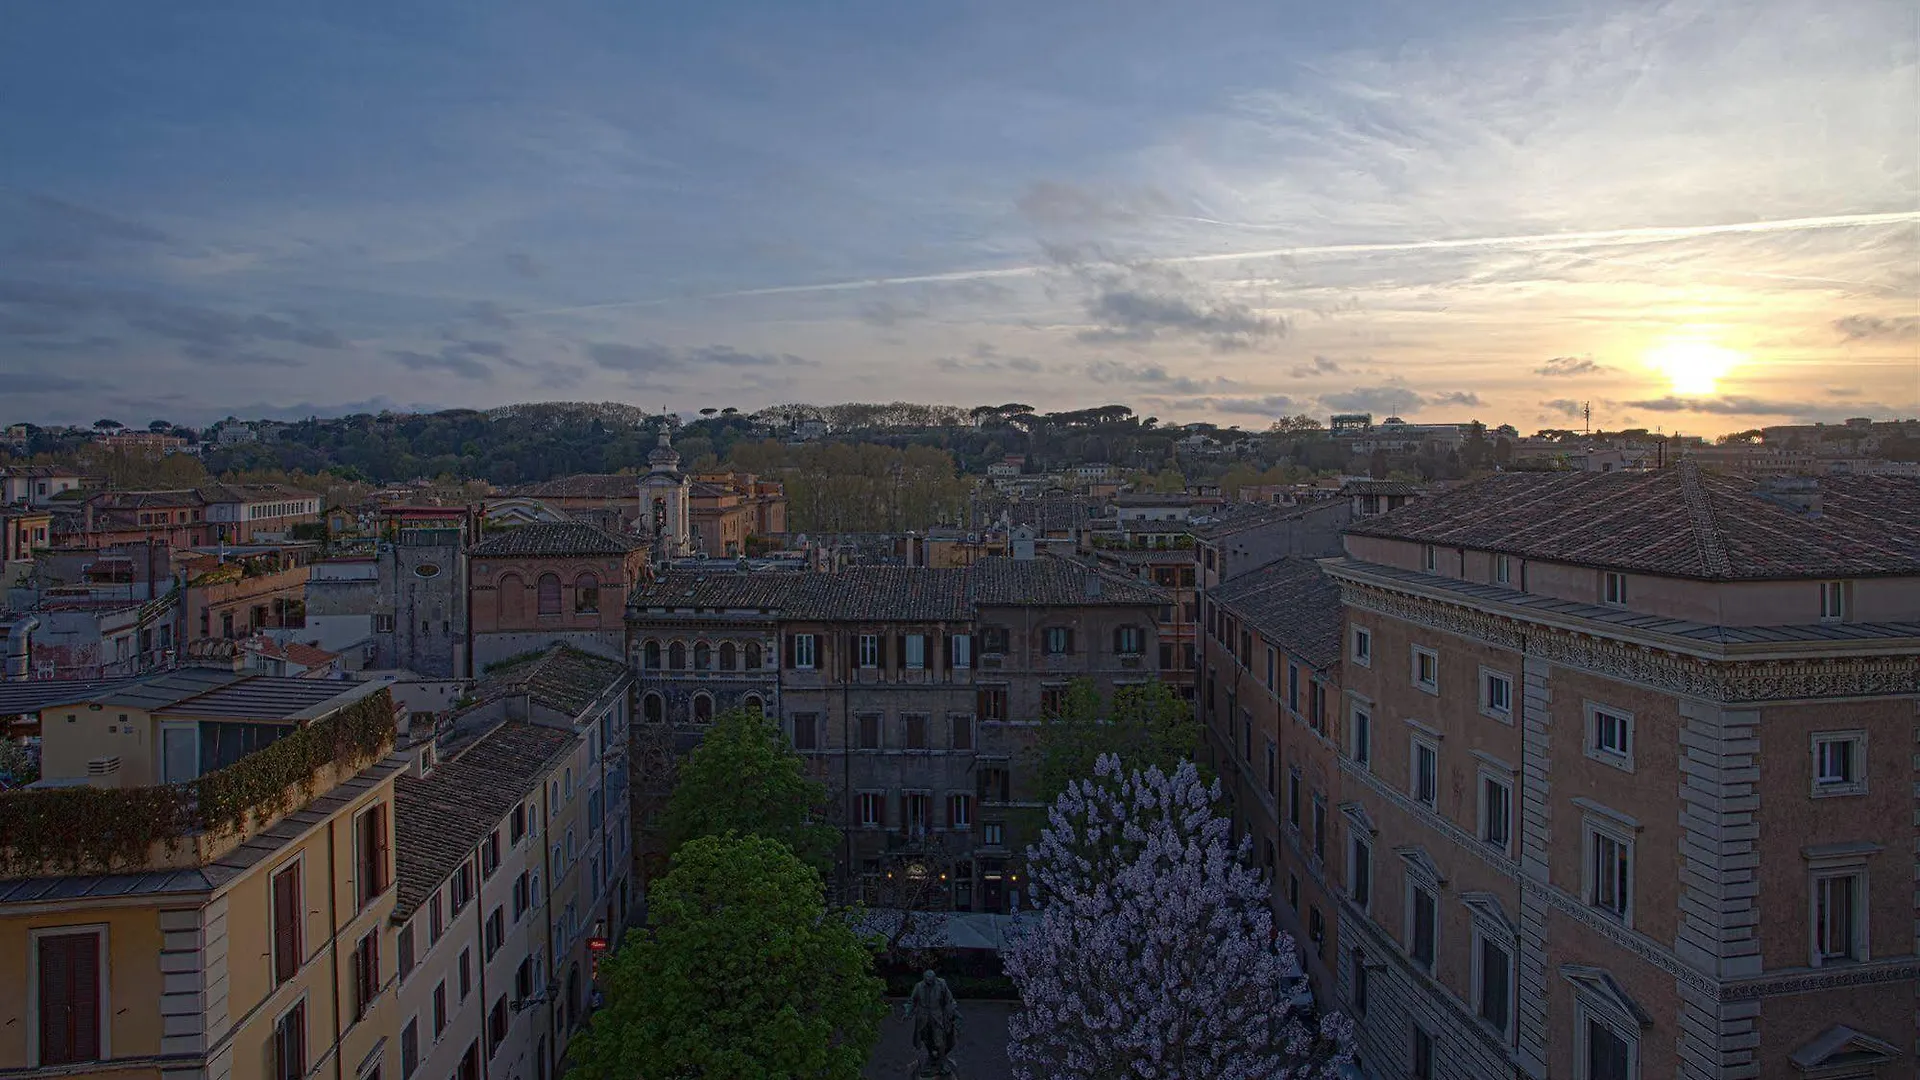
(200, 884)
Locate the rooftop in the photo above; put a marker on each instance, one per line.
(215, 692)
(582, 486)
(561, 678)
(440, 818)
(865, 593)
(1252, 515)
(1680, 522)
(554, 539)
(1293, 602)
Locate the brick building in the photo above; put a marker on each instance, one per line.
(561, 581)
(912, 692)
(1627, 778)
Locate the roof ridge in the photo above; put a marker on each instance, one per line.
(1706, 527)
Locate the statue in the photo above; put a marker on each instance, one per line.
(934, 1019)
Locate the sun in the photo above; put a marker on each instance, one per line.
(1692, 366)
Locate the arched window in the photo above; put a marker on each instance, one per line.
(753, 656)
(586, 595)
(677, 656)
(650, 655)
(512, 591)
(550, 594)
(702, 656)
(653, 707)
(702, 708)
(726, 656)
(752, 703)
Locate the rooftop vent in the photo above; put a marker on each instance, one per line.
(103, 766)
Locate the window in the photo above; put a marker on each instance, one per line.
(1496, 695)
(1360, 873)
(870, 731)
(1492, 982)
(1357, 978)
(1502, 570)
(916, 652)
(382, 624)
(1319, 829)
(752, 655)
(1053, 700)
(650, 655)
(1293, 688)
(1422, 1054)
(1608, 1055)
(522, 896)
(1293, 891)
(1362, 735)
(462, 888)
(1839, 763)
(1426, 669)
(523, 980)
(802, 648)
(366, 974)
(806, 731)
(1610, 736)
(290, 1043)
(1429, 559)
(1496, 811)
(962, 731)
(677, 656)
(1058, 640)
(1610, 872)
(995, 784)
(990, 702)
(517, 825)
(914, 731)
(370, 855)
(436, 920)
(728, 656)
(702, 656)
(495, 934)
(1293, 799)
(586, 595)
(702, 708)
(1423, 916)
(410, 1048)
(1833, 600)
(496, 1025)
(960, 811)
(1270, 666)
(916, 812)
(1316, 927)
(404, 947)
(549, 599)
(1362, 646)
(873, 813)
(993, 834)
(465, 968)
(1426, 772)
(993, 640)
(868, 651)
(1273, 768)
(439, 1009)
(1129, 641)
(490, 855)
(1839, 918)
(289, 922)
(68, 970)
(1614, 588)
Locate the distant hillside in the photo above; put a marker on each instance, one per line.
(560, 413)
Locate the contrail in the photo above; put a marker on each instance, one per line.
(1653, 234)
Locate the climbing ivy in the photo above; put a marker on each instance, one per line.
(96, 830)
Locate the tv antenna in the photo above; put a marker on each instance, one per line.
(1586, 415)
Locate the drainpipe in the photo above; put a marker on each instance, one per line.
(19, 649)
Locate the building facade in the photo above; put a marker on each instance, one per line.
(419, 611)
(546, 582)
(913, 693)
(1627, 778)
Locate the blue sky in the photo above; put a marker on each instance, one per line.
(1698, 216)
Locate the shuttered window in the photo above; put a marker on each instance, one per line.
(286, 924)
(69, 978)
(290, 1044)
(371, 842)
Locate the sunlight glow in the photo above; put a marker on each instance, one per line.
(1693, 366)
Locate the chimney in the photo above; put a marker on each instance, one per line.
(1800, 494)
(1093, 585)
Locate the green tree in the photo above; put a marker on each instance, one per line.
(742, 974)
(745, 778)
(1144, 725)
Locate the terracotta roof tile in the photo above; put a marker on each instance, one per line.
(582, 486)
(562, 678)
(554, 538)
(1291, 601)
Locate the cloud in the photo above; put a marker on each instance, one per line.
(1564, 406)
(35, 382)
(450, 359)
(204, 330)
(1730, 405)
(1269, 405)
(1464, 398)
(1153, 377)
(1140, 316)
(1050, 203)
(1322, 365)
(223, 357)
(886, 313)
(985, 357)
(487, 313)
(1570, 365)
(1375, 399)
(523, 264)
(1875, 328)
(36, 227)
(654, 358)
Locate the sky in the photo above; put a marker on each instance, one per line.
(1694, 216)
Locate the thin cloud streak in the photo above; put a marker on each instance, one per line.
(1650, 234)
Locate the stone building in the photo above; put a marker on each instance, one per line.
(1627, 778)
(420, 607)
(547, 582)
(912, 692)
(1271, 691)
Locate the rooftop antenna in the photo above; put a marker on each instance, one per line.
(1586, 414)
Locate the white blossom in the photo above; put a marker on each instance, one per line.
(1153, 954)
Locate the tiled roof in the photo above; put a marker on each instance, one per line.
(1680, 522)
(1291, 601)
(1378, 487)
(252, 493)
(720, 588)
(864, 593)
(582, 486)
(562, 678)
(1250, 515)
(440, 818)
(1007, 582)
(144, 500)
(554, 538)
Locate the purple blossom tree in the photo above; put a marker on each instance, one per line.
(1153, 953)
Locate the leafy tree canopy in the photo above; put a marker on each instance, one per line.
(1143, 725)
(742, 975)
(745, 778)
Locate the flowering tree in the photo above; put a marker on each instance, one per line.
(1153, 954)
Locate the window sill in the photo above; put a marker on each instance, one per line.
(1609, 759)
(1838, 791)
